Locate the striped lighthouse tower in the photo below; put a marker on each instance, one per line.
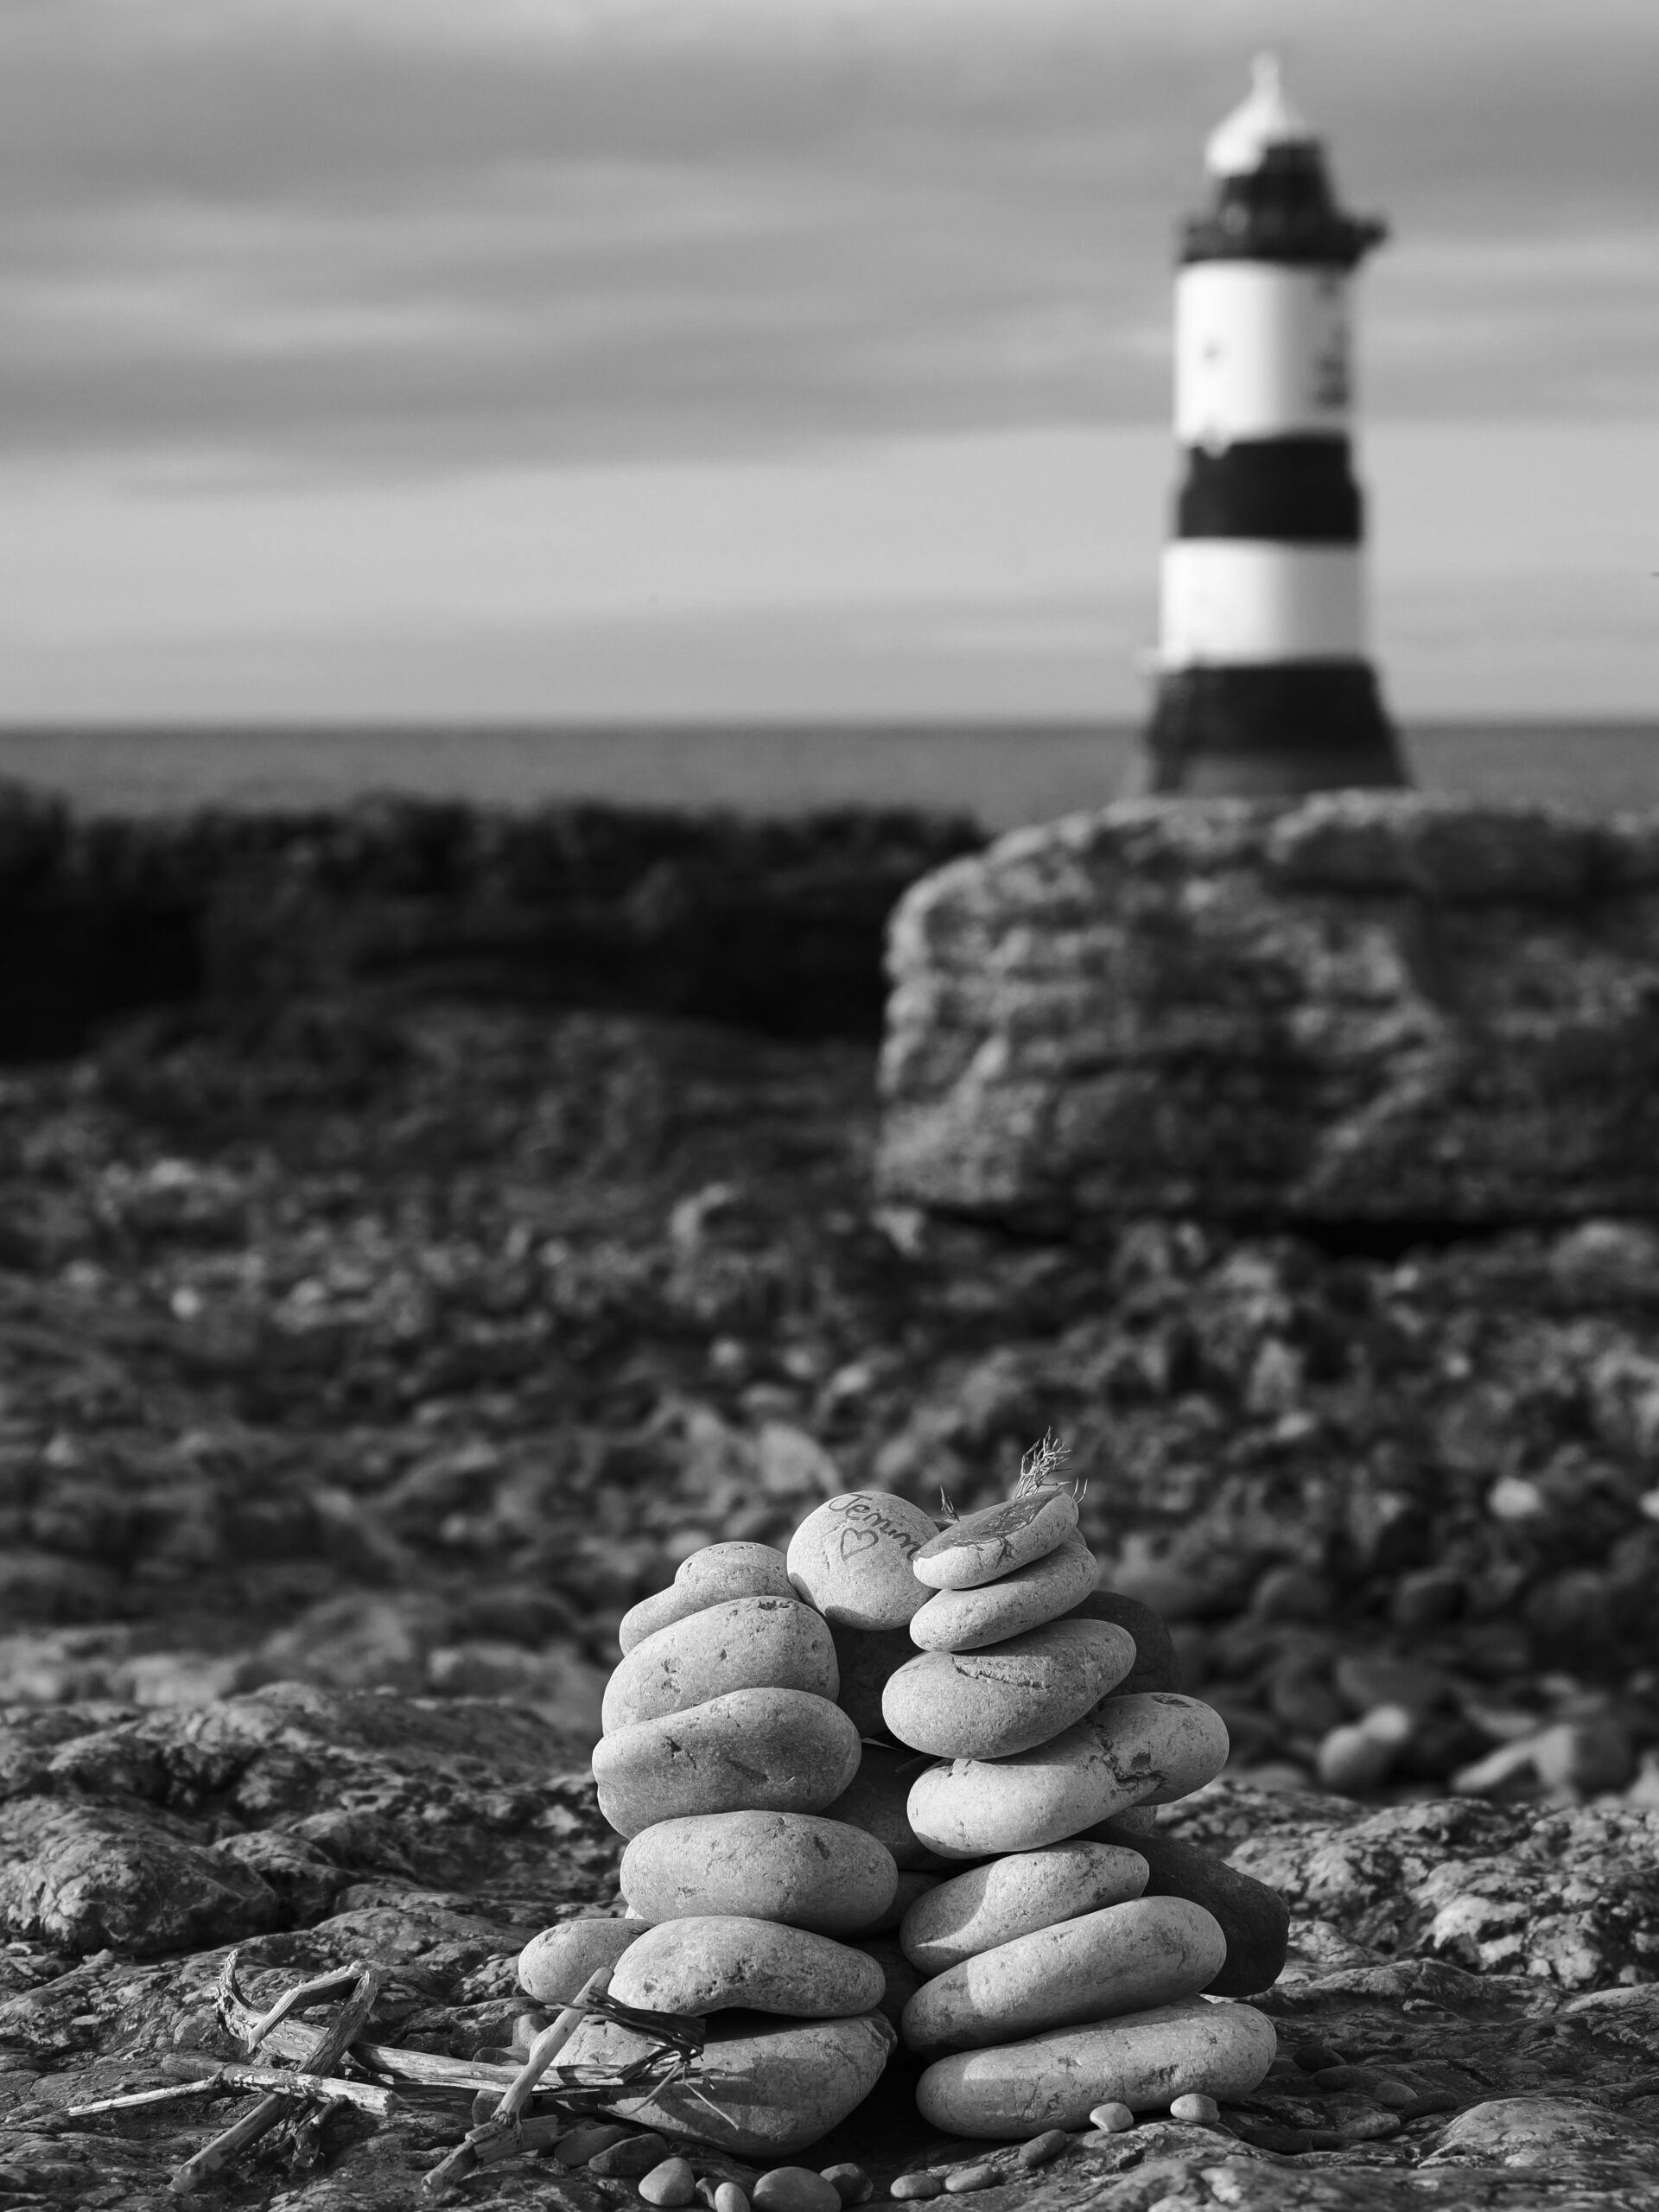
(1264, 686)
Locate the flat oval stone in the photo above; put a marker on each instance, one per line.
(867, 1659)
(1157, 1663)
(852, 1558)
(709, 1963)
(743, 1643)
(1007, 1897)
(982, 1547)
(585, 2143)
(1179, 1741)
(553, 1965)
(1152, 1748)
(763, 2088)
(670, 2184)
(1056, 2080)
(1126, 1958)
(1255, 1919)
(707, 1578)
(791, 1866)
(753, 1751)
(963, 1620)
(990, 1704)
(875, 1801)
(795, 2188)
(628, 2160)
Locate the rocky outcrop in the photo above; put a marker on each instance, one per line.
(1368, 1007)
(775, 925)
(1567, 1896)
(160, 1832)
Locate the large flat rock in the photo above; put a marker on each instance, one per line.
(1369, 1007)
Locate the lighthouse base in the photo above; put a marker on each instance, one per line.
(1270, 732)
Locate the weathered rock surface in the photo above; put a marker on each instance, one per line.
(449, 1847)
(1569, 1896)
(1366, 1007)
(168, 1831)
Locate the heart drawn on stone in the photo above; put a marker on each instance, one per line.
(857, 1540)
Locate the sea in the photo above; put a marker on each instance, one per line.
(1004, 773)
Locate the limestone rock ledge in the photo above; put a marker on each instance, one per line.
(314, 1830)
(1370, 1006)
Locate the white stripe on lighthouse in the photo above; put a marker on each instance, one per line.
(1241, 601)
(1261, 352)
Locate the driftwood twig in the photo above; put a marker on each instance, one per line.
(423, 2070)
(330, 2049)
(308, 2132)
(311, 2088)
(134, 2100)
(550, 2042)
(506, 2131)
(295, 2000)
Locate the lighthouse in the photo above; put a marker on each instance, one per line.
(1264, 685)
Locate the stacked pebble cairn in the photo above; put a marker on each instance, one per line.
(806, 1754)
(723, 1754)
(1067, 1975)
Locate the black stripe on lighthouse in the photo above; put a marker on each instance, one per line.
(1300, 491)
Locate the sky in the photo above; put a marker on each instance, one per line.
(380, 359)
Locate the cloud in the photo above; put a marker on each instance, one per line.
(395, 235)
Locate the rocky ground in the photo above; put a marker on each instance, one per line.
(361, 1365)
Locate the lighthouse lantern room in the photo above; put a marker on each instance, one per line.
(1264, 682)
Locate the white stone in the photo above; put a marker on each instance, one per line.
(1126, 1958)
(852, 1559)
(1145, 2061)
(1150, 1748)
(1014, 1895)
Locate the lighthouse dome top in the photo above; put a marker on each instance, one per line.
(1264, 119)
(1272, 197)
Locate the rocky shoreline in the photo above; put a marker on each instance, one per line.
(408, 1344)
(365, 1357)
(453, 1832)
